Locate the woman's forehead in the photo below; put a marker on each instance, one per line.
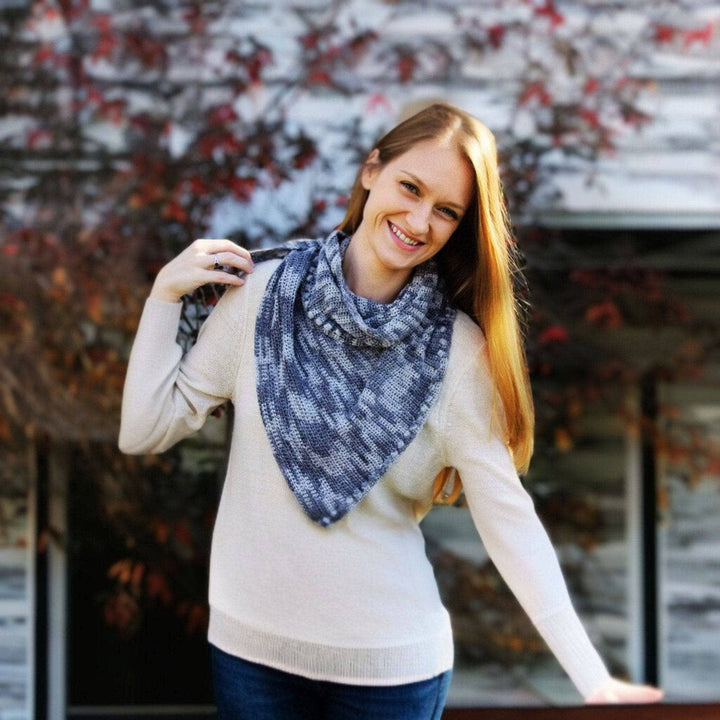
(439, 165)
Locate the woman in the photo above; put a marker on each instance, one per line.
(360, 366)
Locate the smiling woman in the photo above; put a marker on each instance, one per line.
(361, 366)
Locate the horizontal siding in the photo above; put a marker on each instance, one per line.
(663, 171)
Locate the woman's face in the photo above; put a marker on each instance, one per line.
(415, 204)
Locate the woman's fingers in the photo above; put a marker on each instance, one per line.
(236, 260)
(205, 261)
(620, 692)
(226, 254)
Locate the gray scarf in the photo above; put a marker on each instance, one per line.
(344, 383)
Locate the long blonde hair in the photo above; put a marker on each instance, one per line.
(479, 262)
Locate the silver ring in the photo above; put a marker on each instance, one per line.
(216, 263)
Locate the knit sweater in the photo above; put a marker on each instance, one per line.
(355, 602)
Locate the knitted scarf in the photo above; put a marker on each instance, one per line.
(344, 383)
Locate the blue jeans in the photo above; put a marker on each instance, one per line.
(249, 691)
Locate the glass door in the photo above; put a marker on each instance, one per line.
(17, 584)
(689, 541)
(139, 530)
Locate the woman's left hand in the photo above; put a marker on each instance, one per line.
(618, 692)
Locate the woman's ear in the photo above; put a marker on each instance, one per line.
(370, 169)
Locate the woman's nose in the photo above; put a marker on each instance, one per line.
(418, 219)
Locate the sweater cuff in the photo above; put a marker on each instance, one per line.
(569, 642)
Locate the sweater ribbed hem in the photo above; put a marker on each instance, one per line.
(380, 666)
(569, 642)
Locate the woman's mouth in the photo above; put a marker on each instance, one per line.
(402, 237)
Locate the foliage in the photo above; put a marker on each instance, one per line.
(161, 552)
(141, 123)
(138, 128)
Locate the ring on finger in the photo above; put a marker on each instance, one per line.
(216, 263)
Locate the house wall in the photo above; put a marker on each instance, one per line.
(620, 100)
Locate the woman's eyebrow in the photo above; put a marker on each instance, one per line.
(421, 184)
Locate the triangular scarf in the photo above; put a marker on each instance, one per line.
(344, 383)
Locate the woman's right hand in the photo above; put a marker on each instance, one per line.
(199, 264)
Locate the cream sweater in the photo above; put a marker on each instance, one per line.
(355, 602)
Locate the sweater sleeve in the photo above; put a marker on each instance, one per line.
(168, 396)
(511, 531)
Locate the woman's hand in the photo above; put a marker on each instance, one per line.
(201, 264)
(617, 692)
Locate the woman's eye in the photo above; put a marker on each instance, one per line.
(409, 186)
(450, 213)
